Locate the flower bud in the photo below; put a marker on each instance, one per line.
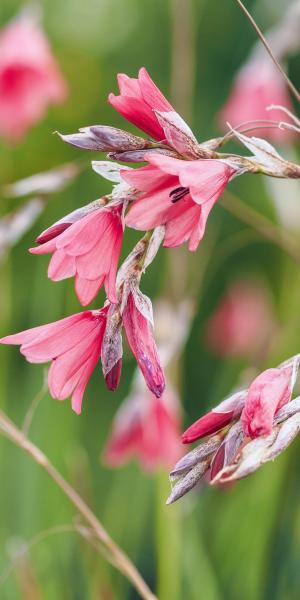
(104, 138)
(112, 378)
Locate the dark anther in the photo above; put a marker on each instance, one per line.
(178, 193)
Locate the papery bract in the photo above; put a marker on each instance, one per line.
(30, 79)
(85, 244)
(146, 428)
(112, 349)
(177, 193)
(72, 344)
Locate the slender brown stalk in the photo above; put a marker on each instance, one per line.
(119, 558)
(260, 34)
(262, 224)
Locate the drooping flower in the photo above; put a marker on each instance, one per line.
(266, 395)
(146, 428)
(137, 101)
(242, 322)
(85, 244)
(138, 324)
(30, 79)
(177, 193)
(258, 85)
(72, 344)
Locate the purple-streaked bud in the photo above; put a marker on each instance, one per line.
(112, 378)
(112, 350)
(187, 462)
(188, 481)
(104, 138)
(227, 451)
(137, 320)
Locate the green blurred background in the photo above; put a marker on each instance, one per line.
(242, 542)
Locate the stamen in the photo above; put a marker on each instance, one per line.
(178, 193)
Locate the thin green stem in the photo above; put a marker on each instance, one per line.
(168, 543)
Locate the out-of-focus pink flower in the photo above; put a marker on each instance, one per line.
(258, 85)
(177, 193)
(85, 244)
(223, 414)
(72, 344)
(137, 100)
(147, 428)
(266, 395)
(30, 79)
(242, 322)
(139, 333)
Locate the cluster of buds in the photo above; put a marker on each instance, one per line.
(248, 429)
(170, 199)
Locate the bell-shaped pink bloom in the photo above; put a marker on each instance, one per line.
(146, 428)
(139, 333)
(72, 344)
(227, 411)
(257, 86)
(266, 395)
(242, 322)
(177, 193)
(137, 100)
(30, 79)
(86, 247)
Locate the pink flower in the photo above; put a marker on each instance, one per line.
(147, 428)
(257, 86)
(242, 322)
(85, 244)
(223, 414)
(72, 344)
(137, 100)
(177, 193)
(30, 79)
(139, 333)
(266, 395)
